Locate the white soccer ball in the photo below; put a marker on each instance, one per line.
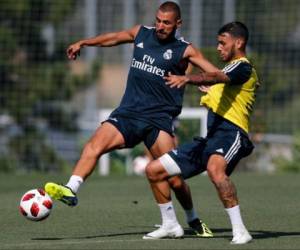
(35, 205)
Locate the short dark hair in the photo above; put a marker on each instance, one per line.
(172, 7)
(236, 29)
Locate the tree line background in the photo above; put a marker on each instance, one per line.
(39, 85)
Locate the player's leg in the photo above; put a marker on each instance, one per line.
(106, 138)
(163, 144)
(216, 169)
(160, 180)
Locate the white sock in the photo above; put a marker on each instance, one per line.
(191, 215)
(74, 183)
(168, 214)
(235, 219)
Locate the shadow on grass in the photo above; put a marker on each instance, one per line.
(256, 234)
(188, 233)
(260, 234)
(91, 236)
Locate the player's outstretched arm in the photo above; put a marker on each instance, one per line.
(210, 76)
(197, 59)
(200, 79)
(103, 40)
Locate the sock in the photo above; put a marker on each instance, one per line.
(74, 183)
(235, 219)
(191, 214)
(168, 214)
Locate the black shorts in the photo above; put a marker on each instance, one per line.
(191, 159)
(135, 131)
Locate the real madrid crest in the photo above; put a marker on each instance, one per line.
(168, 54)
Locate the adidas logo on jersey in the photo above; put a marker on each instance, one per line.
(140, 45)
(220, 150)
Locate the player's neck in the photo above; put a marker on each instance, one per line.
(238, 55)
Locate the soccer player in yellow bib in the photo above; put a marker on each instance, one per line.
(229, 97)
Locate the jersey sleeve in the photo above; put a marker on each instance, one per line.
(239, 73)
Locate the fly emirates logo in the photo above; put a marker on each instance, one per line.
(147, 65)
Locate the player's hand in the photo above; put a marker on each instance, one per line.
(204, 88)
(175, 80)
(73, 51)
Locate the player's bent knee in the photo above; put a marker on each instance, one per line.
(155, 172)
(215, 175)
(151, 172)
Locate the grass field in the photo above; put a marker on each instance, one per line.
(115, 212)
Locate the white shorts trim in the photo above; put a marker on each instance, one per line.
(234, 148)
(170, 165)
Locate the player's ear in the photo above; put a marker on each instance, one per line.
(239, 43)
(178, 23)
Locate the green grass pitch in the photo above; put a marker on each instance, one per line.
(115, 212)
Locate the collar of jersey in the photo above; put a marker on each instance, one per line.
(240, 59)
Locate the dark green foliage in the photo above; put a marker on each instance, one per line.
(32, 152)
(35, 85)
(7, 164)
(273, 28)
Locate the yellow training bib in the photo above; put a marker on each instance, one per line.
(234, 102)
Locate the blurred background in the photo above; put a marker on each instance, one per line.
(50, 106)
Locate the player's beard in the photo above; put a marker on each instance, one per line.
(163, 36)
(227, 57)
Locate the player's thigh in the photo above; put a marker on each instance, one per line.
(163, 144)
(185, 161)
(106, 138)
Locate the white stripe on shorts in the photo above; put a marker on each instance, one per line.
(234, 148)
(170, 165)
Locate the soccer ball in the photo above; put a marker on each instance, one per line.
(35, 205)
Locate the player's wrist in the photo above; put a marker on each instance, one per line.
(196, 79)
(82, 43)
(186, 79)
